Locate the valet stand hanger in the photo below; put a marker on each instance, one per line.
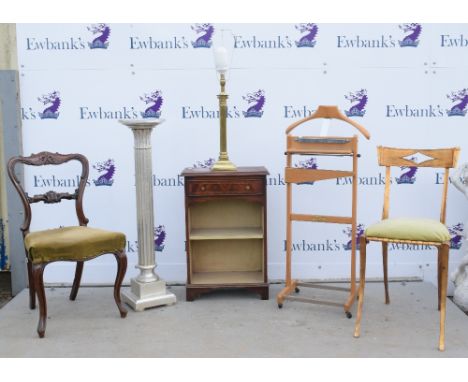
(315, 145)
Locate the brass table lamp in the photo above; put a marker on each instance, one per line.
(223, 163)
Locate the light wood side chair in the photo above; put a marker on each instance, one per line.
(411, 230)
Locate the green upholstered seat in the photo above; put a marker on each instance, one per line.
(72, 243)
(409, 229)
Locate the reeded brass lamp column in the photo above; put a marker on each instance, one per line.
(223, 163)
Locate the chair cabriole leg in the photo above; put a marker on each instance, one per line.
(38, 273)
(121, 258)
(77, 280)
(32, 289)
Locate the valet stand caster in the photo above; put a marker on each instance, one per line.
(280, 306)
(348, 315)
(297, 290)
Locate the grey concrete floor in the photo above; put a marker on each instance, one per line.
(234, 324)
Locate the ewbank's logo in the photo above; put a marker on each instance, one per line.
(208, 163)
(348, 231)
(461, 99)
(453, 41)
(359, 98)
(101, 41)
(155, 101)
(411, 40)
(456, 235)
(409, 174)
(107, 171)
(308, 40)
(310, 164)
(159, 238)
(206, 34)
(53, 101)
(256, 102)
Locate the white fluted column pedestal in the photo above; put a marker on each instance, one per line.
(147, 289)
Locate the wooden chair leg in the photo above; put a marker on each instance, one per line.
(288, 236)
(121, 258)
(438, 276)
(77, 280)
(362, 282)
(32, 289)
(38, 272)
(444, 256)
(385, 270)
(352, 289)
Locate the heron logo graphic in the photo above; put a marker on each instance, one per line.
(107, 171)
(359, 232)
(205, 34)
(460, 98)
(154, 100)
(208, 163)
(52, 101)
(101, 34)
(310, 164)
(308, 40)
(256, 101)
(409, 174)
(412, 31)
(456, 235)
(159, 238)
(359, 101)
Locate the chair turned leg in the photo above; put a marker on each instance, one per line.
(362, 282)
(38, 272)
(385, 270)
(77, 280)
(32, 290)
(438, 276)
(444, 256)
(121, 269)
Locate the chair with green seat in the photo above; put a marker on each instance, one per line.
(411, 230)
(76, 243)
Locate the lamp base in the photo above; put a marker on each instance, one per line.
(224, 165)
(147, 295)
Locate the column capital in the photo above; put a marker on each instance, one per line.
(141, 124)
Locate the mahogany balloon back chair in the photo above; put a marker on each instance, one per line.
(411, 230)
(74, 243)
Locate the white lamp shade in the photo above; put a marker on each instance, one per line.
(221, 59)
(223, 49)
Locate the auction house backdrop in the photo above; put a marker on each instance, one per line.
(406, 83)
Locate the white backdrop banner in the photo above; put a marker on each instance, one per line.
(406, 83)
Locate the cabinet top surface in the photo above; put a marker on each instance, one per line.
(260, 170)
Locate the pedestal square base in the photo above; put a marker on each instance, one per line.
(147, 295)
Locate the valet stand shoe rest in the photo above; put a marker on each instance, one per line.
(320, 146)
(75, 243)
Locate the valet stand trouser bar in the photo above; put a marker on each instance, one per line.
(317, 146)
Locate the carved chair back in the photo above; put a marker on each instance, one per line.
(50, 197)
(436, 158)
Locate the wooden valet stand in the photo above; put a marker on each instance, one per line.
(328, 146)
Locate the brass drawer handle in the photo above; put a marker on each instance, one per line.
(203, 188)
(247, 187)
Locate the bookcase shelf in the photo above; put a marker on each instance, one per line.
(226, 233)
(226, 230)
